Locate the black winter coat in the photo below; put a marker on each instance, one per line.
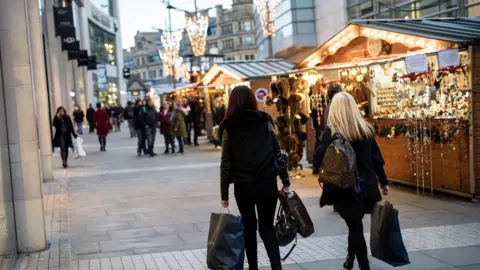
(90, 114)
(137, 117)
(150, 117)
(68, 125)
(250, 151)
(78, 115)
(370, 166)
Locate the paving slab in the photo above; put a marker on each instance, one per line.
(461, 256)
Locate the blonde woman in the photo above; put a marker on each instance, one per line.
(344, 118)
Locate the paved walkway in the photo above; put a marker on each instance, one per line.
(126, 212)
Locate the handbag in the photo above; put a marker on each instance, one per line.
(285, 227)
(297, 209)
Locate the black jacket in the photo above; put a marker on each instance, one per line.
(149, 116)
(90, 114)
(137, 117)
(68, 126)
(129, 113)
(250, 151)
(78, 115)
(370, 166)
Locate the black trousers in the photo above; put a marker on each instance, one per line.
(169, 142)
(63, 149)
(103, 142)
(353, 215)
(91, 126)
(263, 196)
(196, 131)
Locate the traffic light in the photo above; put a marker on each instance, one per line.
(126, 73)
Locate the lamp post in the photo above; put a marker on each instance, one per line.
(267, 10)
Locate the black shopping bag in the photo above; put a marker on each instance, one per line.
(226, 243)
(386, 242)
(297, 209)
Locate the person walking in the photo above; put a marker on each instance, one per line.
(165, 120)
(117, 117)
(252, 160)
(90, 119)
(140, 128)
(63, 134)
(150, 119)
(129, 115)
(185, 106)
(196, 114)
(179, 130)
(345, 119)
(220, 111)
(78, 116)
(102, 124)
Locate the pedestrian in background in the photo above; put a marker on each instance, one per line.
(149, 115)
(185, 106)
(63, 134)
(252, 160)
(90, 119)
(129, 115)
(78, 116)
(179, 130)
(220, 111)
(140, 128)
(196, 114)
(344, 118)
(118, 117)
(165, 120)
(102, 125)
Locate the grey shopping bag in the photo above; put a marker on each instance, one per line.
(226, 242)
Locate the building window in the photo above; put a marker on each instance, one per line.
(102, 44)
(228, 44)
(247, 26)
(247, 57)
(227, 29)
(144, 75)
(249, 40)
(160, 73)
(252, 57)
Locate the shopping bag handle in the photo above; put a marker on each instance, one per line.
(223, 208)
(291, 250)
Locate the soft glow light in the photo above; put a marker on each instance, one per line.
(197, 25)
(268, 9)
(169, 53)
(350, 35)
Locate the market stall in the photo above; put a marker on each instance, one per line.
(220, 80)
(418, 82)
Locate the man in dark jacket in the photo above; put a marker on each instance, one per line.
(129, 115)
(78, 116)
(150, 119)
(139, 128)
(195, 116)
(90, 117)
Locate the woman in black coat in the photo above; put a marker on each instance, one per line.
(344, 118)
(63, 134)
(252, 160)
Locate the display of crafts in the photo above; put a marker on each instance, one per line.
(288, 94)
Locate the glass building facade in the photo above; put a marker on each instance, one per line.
(295, 26)
(408, 9)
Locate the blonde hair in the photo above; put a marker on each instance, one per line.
(345, 118)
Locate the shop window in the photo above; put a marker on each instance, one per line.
(252, 57)
(102, 44)
(304, 15)
(303, 3)
(305, 28)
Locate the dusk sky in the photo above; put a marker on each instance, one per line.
(144, 14)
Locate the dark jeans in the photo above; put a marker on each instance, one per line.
(188, 126)
(196, 131)
(141, 141)
(151, 135)
(80, 127)
(91, 126)
(262, 195)
(169, 141)
(131, 127)
(353, 215)
(180, 144)
(63, 149)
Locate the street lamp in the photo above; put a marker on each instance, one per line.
(267, 10)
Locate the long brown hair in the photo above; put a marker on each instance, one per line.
(241, 99)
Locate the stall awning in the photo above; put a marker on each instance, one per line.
(246, 70)
(447, 29)
(429, 34)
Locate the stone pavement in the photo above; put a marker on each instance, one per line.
(126, 212)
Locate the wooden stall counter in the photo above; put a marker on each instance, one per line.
(445, 165)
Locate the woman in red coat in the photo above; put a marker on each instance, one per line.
(165, 119)
(101, 120)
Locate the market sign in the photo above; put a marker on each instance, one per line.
(63, 17)
(374, 47)
(261, 94)
(83, 58)
(75, 53)
(448, 58)
(416, 63)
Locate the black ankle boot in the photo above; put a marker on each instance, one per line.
(349, 261)
(364, 265)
